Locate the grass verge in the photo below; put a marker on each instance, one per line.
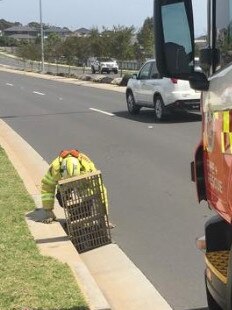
(29, 281)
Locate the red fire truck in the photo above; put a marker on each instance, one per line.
(212, 166)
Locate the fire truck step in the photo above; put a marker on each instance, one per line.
(217, 262)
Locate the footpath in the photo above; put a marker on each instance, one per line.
(106, 276)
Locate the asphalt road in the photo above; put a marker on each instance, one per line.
(145, 166)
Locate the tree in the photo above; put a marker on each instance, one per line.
(139, 52)
(96, 43)
(5, 41)
(29, 51)
(34, 25)
(114, 43)
(84, 50)
(5, 24)
(121, 42)
(69, 50)
(76, 50)
(145, 38)
(53, 47)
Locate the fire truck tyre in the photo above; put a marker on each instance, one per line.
(93, 70)
(133, 109)
(212, 305)
(159, 109)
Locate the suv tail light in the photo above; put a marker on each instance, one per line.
(174, 81)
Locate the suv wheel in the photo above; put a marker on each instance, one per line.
(131, 106)
(115, 71)
(159, 108)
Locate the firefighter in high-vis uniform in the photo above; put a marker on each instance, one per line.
(68, 164)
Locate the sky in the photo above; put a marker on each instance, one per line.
(76, 14)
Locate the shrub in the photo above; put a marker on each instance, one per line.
(125, 79)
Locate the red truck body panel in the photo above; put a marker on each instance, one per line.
(217, 158)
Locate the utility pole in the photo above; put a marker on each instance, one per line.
(41, 35)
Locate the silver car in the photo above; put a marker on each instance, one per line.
(102, 65)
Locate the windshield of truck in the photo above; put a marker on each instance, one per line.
(224, 32)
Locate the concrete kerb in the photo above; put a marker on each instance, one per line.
(106, 276)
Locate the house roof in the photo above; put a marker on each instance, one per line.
(22, 36)
(57, 30)
(82, 30)
(21, 29)
(27, 29)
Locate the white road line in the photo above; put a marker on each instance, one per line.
(38, 93)
(9, 84)
(100, 111)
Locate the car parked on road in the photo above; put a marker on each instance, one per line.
(149, 89)
(102, 65)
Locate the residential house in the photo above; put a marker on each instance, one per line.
(21, 33)
(81, 32)
(29, 33)
(62, 32)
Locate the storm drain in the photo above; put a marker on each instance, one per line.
(87, 222)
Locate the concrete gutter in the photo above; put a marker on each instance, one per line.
(106, 276)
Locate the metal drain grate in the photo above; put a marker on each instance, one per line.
(84, 199)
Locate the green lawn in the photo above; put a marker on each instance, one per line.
(28, 280)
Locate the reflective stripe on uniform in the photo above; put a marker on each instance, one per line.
(48, 199)
(47, 196)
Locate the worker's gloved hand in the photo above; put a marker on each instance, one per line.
(49, 217)
(111, 225)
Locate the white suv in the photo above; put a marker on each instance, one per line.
(149, 89)
(102, 65)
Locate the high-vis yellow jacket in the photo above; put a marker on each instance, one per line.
(54, 174)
